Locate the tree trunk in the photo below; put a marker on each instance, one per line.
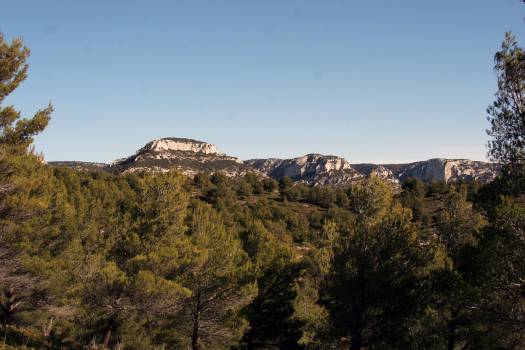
(8, 308)
(7, 311)
(357, 341)
(107, 335)
(249, 340)
(195, 333)
(5, 332)
(49, 327)
(451, 336)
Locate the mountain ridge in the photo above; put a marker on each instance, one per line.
(192, 156)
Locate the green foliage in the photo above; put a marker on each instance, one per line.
(13, 71)
(412, 197)
(288, 191)
(244, 189)
(371, 197)
(219, 277)
(437, 188)
(371, 288)
(325, 197)
(455, 289)
(503, 252)
(507, 113)
(270, 185)
(22, 198)
(271, 315)
(91, 260)
(490, 196)
(143, 262)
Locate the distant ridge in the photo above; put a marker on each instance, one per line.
(192, 156)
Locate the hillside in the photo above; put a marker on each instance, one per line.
(192, 157)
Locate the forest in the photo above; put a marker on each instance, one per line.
(92, 260)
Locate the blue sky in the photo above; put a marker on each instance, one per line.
(373, 81)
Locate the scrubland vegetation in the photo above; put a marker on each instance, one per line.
(91, 260)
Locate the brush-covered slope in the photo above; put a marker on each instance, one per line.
(192, 157)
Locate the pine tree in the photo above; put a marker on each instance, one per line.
(20, 176)
(271, 314)
(371, 288)
(220, 278)
(503, 257)
(456, 283)
(128, 287)
(13, 71)
(507, 113)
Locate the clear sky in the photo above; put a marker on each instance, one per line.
(373, 81)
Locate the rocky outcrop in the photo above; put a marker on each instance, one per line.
(449, 170)
(385, 174)
(179, 144)
(192, 156)
(186, 155)
(312, 169)
(437, 169)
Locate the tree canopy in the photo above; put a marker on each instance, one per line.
(93, 260)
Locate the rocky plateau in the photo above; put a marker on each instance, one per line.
(191, 157)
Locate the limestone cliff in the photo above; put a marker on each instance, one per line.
(192, 156)
(186, 155)
(449, 170)
(313, 169)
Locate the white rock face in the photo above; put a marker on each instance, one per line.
(448, 170)
(171, 149)
(320, 163)
(180, 145)
(312, 164)
(187, 156)
(192, 157)
(385, 174)
(313, 169)
(317, 169)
